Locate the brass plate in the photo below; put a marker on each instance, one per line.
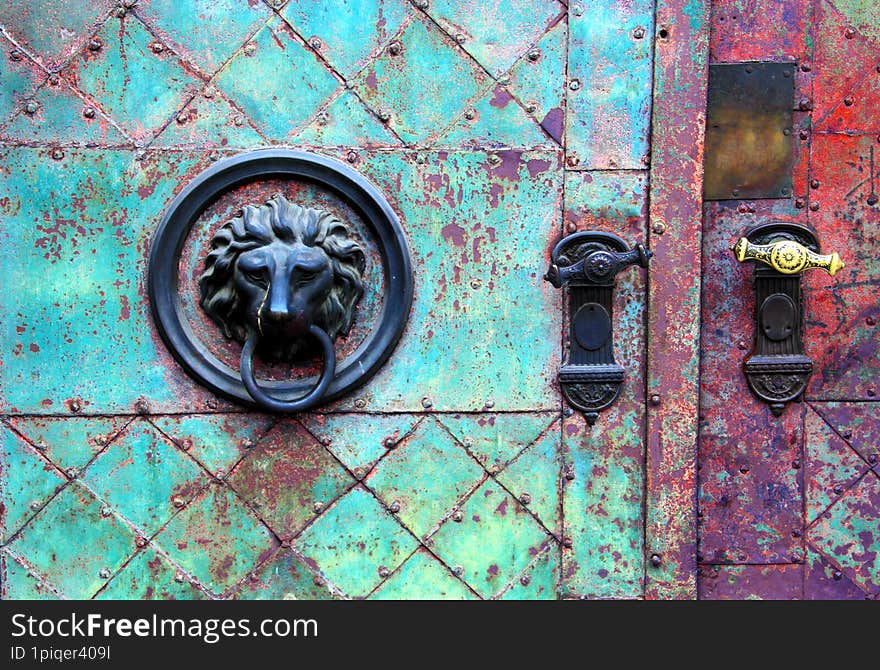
(749, 136)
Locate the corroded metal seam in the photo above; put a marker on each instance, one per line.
(676, 185)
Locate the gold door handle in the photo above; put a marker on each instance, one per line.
(786, 256)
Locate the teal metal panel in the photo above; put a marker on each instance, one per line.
(608, 112)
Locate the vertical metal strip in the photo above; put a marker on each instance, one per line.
(678, 125)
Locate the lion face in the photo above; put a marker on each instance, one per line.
(277, 269)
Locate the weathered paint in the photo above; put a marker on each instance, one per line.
(816, 466)
(680, 63)
(608, 108)
(458, 113)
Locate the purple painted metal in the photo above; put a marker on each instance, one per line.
(680, 64)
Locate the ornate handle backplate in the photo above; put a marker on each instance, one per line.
(587, 263)
(778, 370)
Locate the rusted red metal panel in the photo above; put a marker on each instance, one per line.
(788, 506)
(681, 58)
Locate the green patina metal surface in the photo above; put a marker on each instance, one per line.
(492, 128)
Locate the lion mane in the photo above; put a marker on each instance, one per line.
(281, 220)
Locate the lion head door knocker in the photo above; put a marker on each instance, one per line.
(276, 275)
(283, 279)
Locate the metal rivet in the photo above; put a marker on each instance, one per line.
(317, 507)
(351, 157)
(178, 577)
(15, 55)
(786, 74)
(871, 392)
(457, 516)
(157, 47)
(74, 405)
(796, 558)
(394, 507)
(58, 154)
(849, 33)
(872, 199)
(872, 458)
(394, 48)
(847, 435)
(786, 131)
(837, 575)
(796, 532)
(531, 108)
(735, 192)
(181, 118)
(42, 446)
(89, 112)
(744, 468)
(572, 227)
(250, 49)
(470, 114)
(658, 227)
(358, 472)
(120, 12)
(142, 407)
(656, 560)
(569, 475)
(804, 104)
(177, 501)
(806, 67)
(525, 580)
(427, 402)
(72, 472)
(384, 116)
(422, 4)
(572, 161)
(799, 203)
(639, 33)
(871, 321)
(567, 542)
(848, 101)
(534, 54)
(568, 411)
(749, 69)
(457, 570)
(525, 498)
(796, 464)
(574, 84)
(104, 573)
(105, 511)
(838, 489)
(95, 45)
(31, 108)
(35, 505)
(460, 37)
(489, 404)
(655, 399)
(360, 403)
(804, 134)
(742, 345)
(814, 206)
(140, 541)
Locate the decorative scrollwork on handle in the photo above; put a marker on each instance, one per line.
(786, 256)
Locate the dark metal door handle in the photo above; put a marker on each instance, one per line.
(778, 370)
(587, 264)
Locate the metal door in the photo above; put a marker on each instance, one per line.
(789, 505)
(493, 129)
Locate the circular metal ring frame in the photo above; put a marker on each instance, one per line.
(336, 177)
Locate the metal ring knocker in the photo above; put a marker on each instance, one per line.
(267, 226)
(309, 400)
